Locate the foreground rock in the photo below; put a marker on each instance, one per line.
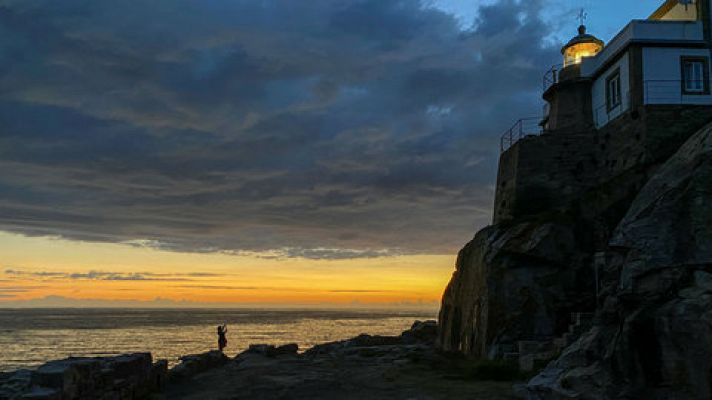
(365, 367)
(126, 377)
(401, 367)
(194, 364)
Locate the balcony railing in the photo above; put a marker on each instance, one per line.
(522, 128)
(551, 77)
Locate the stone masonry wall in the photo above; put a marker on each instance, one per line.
(552, 170)
(506, 183)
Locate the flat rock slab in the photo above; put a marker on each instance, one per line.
(325, 377)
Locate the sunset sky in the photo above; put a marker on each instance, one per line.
(278, 152)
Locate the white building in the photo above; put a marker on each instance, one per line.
(662, 60)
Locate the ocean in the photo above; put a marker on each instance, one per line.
(30, 337)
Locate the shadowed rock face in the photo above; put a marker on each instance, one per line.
(653, 337)
(128, 376)
(513, 283)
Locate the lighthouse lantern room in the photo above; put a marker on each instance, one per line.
(581, 46)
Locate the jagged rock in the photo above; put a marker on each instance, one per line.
(194, 364)
(514, 282)
(653, 339)
(362, 340)
(421, 331)
(269, 350)
(290, 349)
(130, 376)
(353, 370)
(12, 383)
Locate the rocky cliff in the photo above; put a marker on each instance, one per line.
(512, 283)
(641, 258)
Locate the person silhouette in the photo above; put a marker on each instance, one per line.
(222, 340)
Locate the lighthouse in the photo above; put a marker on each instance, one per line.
(581, 46)
(568, 94)
(610, 106)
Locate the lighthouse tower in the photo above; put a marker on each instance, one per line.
(569, 95)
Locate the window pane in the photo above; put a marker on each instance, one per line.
(688, 76)
(694, 76)
(613, 91)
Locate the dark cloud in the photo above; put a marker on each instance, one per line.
(360, 291)
(216, 287)
(319, 129)
(108, 276)
(219, 287)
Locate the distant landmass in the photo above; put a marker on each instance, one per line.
(68, 302)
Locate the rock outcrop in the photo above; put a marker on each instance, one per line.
(125, 377)
(269, 350)
(404, 367)
(194, 364)
(421, 332)
(653, 337)
(636, 249)
(512, 283)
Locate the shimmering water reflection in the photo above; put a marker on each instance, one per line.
(31, 337)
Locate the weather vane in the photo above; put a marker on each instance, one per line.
(582, 15)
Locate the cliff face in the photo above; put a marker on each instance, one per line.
(653, 337)
(514, 282)
(643, 241)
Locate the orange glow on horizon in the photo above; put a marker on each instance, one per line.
(36, 267)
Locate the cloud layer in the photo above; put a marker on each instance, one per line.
(318, 129)
(95, 275)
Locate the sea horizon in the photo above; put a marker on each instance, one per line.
(33, 336)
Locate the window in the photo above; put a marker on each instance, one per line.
(695, 75)
(613, 90)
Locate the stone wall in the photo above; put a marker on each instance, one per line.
(550, 171)
(570, 102)
(506, 183)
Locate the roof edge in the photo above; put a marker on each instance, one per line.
(663, 9)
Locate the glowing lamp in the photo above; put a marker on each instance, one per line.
(583, 45)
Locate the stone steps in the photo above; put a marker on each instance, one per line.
(530, 351)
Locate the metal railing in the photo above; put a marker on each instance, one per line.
(673, 92)
(522, 128)
(551, 77)
(604, 113)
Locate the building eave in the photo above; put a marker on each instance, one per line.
(690, 44)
